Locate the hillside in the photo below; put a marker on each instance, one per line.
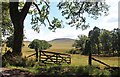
(61, 44)
(58, 45)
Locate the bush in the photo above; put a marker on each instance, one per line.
(73, 51)
(64, 71)
(10, 60)
(115, 73)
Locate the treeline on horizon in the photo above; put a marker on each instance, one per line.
(99, 41)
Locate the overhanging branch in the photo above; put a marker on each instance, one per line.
(25, 10)
(40, 12)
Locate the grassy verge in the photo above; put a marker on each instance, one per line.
(64, 71)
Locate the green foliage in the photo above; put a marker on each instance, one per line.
(39, 44)
(73, 51)
(115, 72)
(41, 15)
(17, 61)
(0, 39)
(115, 39)
(63, 71)
(94, 39)
(56, 24)
(9, 41)
(76, 11)
(6, 27)
(99, 41)
(106, 40)
(80, 43)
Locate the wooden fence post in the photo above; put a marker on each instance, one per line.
(90, 53)
(90, 58)
(56, 58)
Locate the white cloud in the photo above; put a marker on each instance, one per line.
(111, 21)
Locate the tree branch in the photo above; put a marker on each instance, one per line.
(14, 10)
(37, 7)
(40, 13)
(46, 4)
(25, 10)
(81, 8)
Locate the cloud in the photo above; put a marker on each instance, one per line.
(111, 21)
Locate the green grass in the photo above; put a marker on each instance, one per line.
(61, 46)
(79, 63)
(26, 50)
(112, 61)
(83, 60)
(76, 59)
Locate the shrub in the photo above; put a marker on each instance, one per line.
(115, 73)
(73, 51)
(10, 60)
(73, 70)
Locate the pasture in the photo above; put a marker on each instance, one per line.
(76, 59)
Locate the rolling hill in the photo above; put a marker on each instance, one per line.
(61, 44)
(58, 45)
(62, 40)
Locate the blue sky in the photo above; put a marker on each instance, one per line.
(107, 22)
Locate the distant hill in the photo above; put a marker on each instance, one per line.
(26, 41)
(61, 44)
(62, 40)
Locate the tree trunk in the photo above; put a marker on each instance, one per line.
(98, 49)
(90, 58)
(90, 53)
(17, 18)
(18, 37)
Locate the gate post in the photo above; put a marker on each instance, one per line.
(36, 54)
(39, 56)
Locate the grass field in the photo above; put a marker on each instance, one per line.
(76, 59)
(61, 46)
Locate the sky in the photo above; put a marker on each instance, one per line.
(104, 22)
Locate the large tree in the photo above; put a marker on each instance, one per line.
(74, 10)
(115, 39)
(17, 18)
(94, 38)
